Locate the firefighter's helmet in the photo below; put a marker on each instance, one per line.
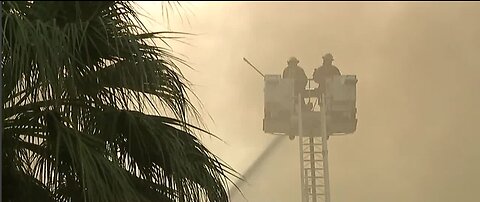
(328, 57)
(293, 60)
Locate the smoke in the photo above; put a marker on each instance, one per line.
(417, 93)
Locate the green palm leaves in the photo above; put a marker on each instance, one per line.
(94, 110)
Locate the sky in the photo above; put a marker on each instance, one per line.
(418, 75)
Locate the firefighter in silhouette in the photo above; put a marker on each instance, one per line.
(324, 72)
(320, 76)
(293, 71)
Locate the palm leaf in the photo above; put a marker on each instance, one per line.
(95, 110)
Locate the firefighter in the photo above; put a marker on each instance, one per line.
(324, 72)
(295, 72)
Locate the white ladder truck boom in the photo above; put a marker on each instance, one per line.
(334, 115)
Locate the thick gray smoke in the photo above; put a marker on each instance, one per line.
(418, 68)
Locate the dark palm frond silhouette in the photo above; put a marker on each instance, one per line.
(94, 110)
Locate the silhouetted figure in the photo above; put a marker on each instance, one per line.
(320, 76)
(324, 72)
(293, 71)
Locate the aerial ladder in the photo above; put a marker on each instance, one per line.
(332, 113)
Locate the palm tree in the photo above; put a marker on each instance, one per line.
(95, 110)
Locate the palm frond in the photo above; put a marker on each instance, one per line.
(95, 110)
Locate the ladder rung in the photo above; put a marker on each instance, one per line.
(319, 177)
(310, 187)
(318, 194)
(319, 185)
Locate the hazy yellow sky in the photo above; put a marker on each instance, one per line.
(418, 68)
